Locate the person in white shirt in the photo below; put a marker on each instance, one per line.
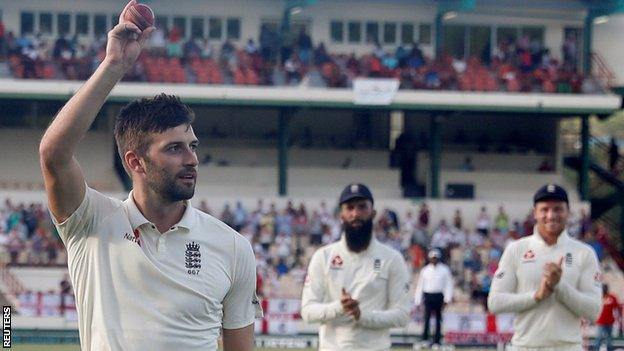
(549, 280)
(356, 288)
(435, 289)
(151, 272)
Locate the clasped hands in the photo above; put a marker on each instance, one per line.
(349, 305)
(550, 279)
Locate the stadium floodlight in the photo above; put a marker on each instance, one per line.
(601, 19)
(296, 10)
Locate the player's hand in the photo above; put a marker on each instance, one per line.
(125, 42)
(350, 306)
(543, 292)
(552, 273)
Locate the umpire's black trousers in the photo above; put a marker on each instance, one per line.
(433, 304)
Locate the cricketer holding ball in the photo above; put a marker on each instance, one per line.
(152, 272)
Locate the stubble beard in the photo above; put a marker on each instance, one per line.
(165, 184)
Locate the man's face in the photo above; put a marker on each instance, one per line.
(357, 221)
(171, 163)
(551, 216)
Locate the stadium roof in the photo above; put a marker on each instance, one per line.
(415, 100)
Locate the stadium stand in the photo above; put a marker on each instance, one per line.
(514, 66)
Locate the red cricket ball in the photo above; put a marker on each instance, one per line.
(141, 15)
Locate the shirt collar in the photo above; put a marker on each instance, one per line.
(563, 237)
(137, 219)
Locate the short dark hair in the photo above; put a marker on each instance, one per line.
(141, 117)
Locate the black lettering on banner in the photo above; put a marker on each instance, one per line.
(6, 327)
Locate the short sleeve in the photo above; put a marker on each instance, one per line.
(241, 305)
(83, 221)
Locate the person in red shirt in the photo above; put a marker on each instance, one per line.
(605, 321)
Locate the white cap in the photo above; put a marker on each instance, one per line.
(434, 253)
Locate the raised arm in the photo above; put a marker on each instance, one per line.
(62, 175)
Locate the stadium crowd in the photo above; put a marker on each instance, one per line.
(285, 238)
(514, 65)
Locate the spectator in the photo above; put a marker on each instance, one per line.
(457, 220)
(250, 47)
(405, 149)
(442, 237)
(501, 222)
(292, 67)
(207, 50)
(3, 46)
(423, 216)
(467, 166)
(545, 166)
(239, 216)
(483, 222)
(304, 44)
(610, 311)
(14, 245)
(590, 239)
(614, 155)
(227, 216)
(65, 291)
(585, 222)
(409, 223)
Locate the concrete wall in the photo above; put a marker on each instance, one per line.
(608, 44)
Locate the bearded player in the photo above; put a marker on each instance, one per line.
(356, 288)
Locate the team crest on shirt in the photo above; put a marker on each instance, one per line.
(377, 265)
(192, 258)
(568, 259)
(336, 262)
(528, 256)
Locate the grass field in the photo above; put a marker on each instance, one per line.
(42, 347)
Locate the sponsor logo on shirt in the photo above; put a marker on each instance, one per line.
(336, 262)
(192, 258)
(568, 259)
(136, 238)
(528, 256)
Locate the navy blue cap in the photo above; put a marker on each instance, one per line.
(355, 190)
(551, 192)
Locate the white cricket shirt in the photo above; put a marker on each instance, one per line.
(434, 278)
(137, 289)
(554, 322)
(377, 278)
